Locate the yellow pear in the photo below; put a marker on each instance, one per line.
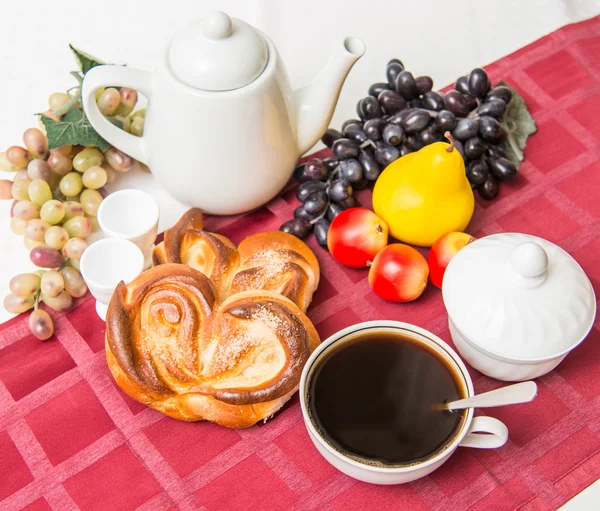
(424, 195)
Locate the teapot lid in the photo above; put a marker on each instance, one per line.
(519, 296)
(218, 53)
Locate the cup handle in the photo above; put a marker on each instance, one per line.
(120, 76)
(485, 433)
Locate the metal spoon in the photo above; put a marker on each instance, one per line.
(519, 393)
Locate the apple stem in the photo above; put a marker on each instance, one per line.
(369, 264)
(448, 135)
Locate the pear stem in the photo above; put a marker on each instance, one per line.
(448, 135)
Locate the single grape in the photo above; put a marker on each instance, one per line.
(414, 141)
(316, 203)
(315, 170)
(308, 187)
(18, 304)
(445, 121)
(18, 156)
(88, 157)
(373, 128)
(72, 209)
(345, 148)
(433, 101)
(424, 84)
(118, 160)
(458, 145)
(66, 150)
(502, 168)
(462, 85)
(20, 189)
(378, 88)
(339, 189)
(21, 174)
(350, 202)
(31, 244)
(474, 148)
(71, 184)
(351, 170)
(430, 135)
(495, 151)
(59, 163)
(95, 177)
(299, 174)
(61, 303)
(74, 248)
(368, 108)
(301, 213)
(74, 263)
(405, 149)
(110, 172)
(39, 169)
(297, 227)
(128, 99)
(40, 324)
(333, 210)
(74, 283)
(492, 107)
(95, 226)
(78, 227)
(354, 131)
(489, 189)
(109, 101)
(39, 192)
(465, 129)
(52, 283)
(137, 126)
(52, 212)
(405, 85)
(500, 92)
(35, 142)
(36, 229)
(46, 257)
(330, 137)
(26, 210)
(394, 68)
(321, 230)
(141, 114)
(58, 100)
(371, 168)
(385, 153)
(479, 83)
(391, 102)
(6, 165)
(456, 103)
(416, 121)
(5, 189)
(56, 237)
(470, 101)
(125, 120)
(400, 117)
(24, 284)
(17, 225)
(90, 201)
(489, 129)
(477, 172)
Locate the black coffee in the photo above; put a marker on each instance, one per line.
(372, 396)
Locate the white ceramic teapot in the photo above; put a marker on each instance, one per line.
(223, 128)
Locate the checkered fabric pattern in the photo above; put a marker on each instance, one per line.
(70, 439)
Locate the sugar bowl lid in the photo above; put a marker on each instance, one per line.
(218, 53)
(519, 296)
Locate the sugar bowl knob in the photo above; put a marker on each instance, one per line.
(529, 260)
(216, 25)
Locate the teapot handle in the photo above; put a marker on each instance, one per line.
(120, 76)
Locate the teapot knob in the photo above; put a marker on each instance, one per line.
(216, 25)
(529, 259)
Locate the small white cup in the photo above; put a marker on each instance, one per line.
(107, 262)
(132, 215)
(482, 432)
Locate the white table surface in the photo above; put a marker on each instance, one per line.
(438, 38)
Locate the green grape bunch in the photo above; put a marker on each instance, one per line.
(60, 175)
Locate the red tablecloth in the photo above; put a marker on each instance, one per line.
(69, 438)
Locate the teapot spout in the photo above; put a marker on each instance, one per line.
(316, 102)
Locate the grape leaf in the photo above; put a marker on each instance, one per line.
(518, 124)
(74, 128)
(85, 61)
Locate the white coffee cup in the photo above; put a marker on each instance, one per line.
(132, 215)
(107, 262)
(481, 432)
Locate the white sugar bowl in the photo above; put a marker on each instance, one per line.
(517, 305)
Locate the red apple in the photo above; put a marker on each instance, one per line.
(442, 251)
(398, 273)
(355, 236)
